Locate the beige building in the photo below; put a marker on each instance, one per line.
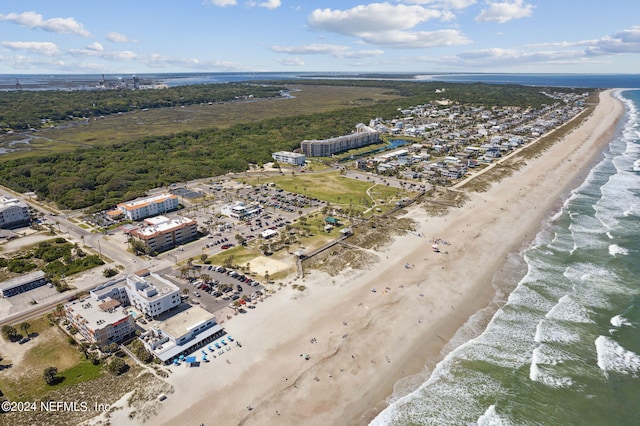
(161, 233)
(101, 322)
(149, 206)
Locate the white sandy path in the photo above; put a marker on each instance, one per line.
(389, 335)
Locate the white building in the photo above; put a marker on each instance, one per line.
(289, 158)
(150, 294)
(181, 334)
(240, 211)
(13, 212)
(150, 206)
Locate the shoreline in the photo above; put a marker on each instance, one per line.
(367, 341)
(602, 141)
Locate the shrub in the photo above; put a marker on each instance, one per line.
(50, 375)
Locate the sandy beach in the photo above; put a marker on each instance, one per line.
(360, 342)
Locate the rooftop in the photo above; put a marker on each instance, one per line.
(94, 316)
(162, 224)
(182, 322)
(141, 202)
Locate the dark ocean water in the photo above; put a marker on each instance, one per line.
(564, 348)
(605, 81)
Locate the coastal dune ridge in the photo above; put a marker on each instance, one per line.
(362, 342)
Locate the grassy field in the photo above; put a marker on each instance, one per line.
(123, 128)
(333, 188)
(50, 348)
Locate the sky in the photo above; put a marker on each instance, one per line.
(413, 36)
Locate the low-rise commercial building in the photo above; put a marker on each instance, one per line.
(293, 158)
(182, 334)
(149, 206)
(23, 283)
(240, 211)
(13, 212)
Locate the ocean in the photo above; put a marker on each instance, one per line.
(564, 347)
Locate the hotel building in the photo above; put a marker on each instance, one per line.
(364, 135)
(13, 212)
(150, 294)
(161, 233)
(149, 206)
(101, 322)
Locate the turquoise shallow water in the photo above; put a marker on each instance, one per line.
(565, 347)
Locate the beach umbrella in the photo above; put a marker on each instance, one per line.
(230, 338)
(181, 357)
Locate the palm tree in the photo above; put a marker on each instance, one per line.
(25, 326)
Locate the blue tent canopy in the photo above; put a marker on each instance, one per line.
(190, 359)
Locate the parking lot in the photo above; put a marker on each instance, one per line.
(216, 288)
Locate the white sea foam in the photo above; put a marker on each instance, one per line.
(612, 357)
(568, 309)
(619, 321)
(541, 369)
(550, 331)
(491, 418)
(615, 250)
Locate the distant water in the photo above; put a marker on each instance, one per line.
(91, 81)
(565, 348)
(604, 81)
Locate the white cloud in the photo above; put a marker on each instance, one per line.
(98, 52)
(117, 37)
(291, 62)
(385, 24)
(40, 47)
(55, 25)
(416, 39)
(373, 17)
(504, 12)
(337, 51)
(95, 46)
(270, 4)
(224, 3)
(625, 41)
(442, 4)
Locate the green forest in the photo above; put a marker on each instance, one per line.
(101, 177)
(21, 110)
